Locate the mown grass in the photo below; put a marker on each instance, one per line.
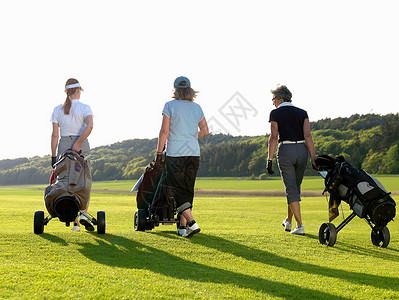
(242, 252)
(312, 183)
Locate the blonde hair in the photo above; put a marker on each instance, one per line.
(68, 102)
(184, 94)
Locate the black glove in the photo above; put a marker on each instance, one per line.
(53, 161)
(270, 166)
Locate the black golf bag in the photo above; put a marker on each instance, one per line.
(155, 201)
(366, 196)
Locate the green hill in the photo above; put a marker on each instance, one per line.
(368, 141)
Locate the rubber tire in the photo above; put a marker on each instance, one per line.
(38, 226)
(140, 220)
(101, 223)
(327, 234)
(381, 238)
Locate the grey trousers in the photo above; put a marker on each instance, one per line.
(292, 160)
(66, 142)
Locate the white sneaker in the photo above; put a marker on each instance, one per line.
(287, 225)
(86, 223)
(299, 230)
(75, 227)
(191, 230)
(181, 232)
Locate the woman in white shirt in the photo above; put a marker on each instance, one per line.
(73, 121)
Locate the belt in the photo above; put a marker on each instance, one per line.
(292, 142)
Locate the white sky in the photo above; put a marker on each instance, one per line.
(338, 58)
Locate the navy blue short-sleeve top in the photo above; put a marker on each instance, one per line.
(290, 121)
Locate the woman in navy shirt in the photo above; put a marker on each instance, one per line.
(290, 128)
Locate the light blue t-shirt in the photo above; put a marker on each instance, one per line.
(183, 130)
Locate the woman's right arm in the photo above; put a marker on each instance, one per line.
(203, 128)
(273, 139)
(55, 135)
(163, 133)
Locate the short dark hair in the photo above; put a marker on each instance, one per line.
(281, 91)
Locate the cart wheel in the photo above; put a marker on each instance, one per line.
(150, 225)
(381, 238)
(38, 225)
(101, 222)
(327, 234)
(140, 220)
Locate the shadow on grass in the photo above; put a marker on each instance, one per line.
(256, 255)
(388, 254)
(312, 236)
(53, 238)
(117, 251)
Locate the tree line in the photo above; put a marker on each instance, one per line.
(367, 141)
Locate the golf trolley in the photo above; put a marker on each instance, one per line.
(155, 202)
(67, 211)
(366, 196)
(68, 193)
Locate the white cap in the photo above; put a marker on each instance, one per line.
(71, 86)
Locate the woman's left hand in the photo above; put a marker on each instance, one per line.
(269, 166)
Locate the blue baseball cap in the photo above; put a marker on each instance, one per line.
(182, 82)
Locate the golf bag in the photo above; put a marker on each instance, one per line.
(365, 195)
(70, 191)
(155, 201)
(153, 193)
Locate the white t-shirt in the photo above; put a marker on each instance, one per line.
(72, 124)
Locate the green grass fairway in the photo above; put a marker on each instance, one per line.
(242, 251)
(310, 183)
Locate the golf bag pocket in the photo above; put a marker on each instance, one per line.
(364, 187)
(363, 194)
(75, 171)
(356, 204)
(343, 191)
(368, 192)
(60, 166)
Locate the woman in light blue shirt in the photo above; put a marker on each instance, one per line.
(183, 124)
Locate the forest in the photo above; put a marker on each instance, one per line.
(370, 142)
